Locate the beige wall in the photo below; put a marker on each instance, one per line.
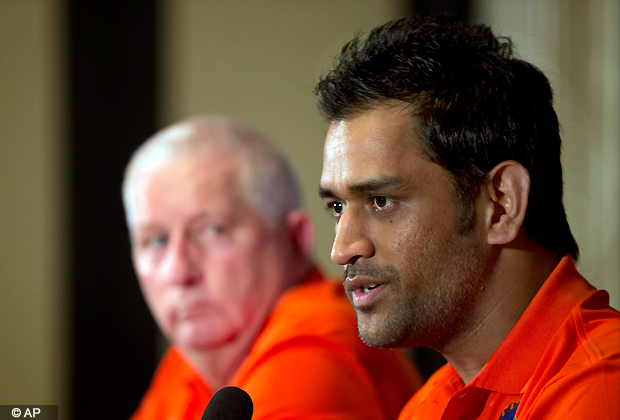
(259, 61)
(576, 43)
(32, 295)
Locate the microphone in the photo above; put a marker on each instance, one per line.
(229, 403)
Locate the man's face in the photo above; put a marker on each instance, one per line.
(208, 266)
(412, 279)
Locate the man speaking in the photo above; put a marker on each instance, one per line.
(442, 171)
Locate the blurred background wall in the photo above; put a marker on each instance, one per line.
(84, 82)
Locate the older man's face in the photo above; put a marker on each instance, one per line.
(411, 277)
(208, 266)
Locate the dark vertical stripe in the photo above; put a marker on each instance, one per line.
(111, 111)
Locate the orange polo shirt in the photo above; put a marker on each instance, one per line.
(307, 363)
(560, 361)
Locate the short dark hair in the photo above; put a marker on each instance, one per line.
(476, 105)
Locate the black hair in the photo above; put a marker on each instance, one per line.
(476, 105)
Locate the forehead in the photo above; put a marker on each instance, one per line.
(381, 142)
(183, 186)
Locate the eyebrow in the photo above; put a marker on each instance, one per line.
(369, 185)
(326, 192)
(157, 225)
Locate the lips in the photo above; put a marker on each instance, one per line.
(190, 310)
(363, 291)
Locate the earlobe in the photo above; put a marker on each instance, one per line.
(509, 186)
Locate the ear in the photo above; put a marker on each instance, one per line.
(300, 228)
(508, 191)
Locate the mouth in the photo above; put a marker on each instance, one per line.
(368, 288)
(191, 310)
(363, 291)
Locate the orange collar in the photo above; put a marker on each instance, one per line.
(508, 369)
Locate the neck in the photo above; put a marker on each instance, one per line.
(218, 366)
(514, 281)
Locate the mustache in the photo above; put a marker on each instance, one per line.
(381, 273)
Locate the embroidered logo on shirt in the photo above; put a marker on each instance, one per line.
(509, 413)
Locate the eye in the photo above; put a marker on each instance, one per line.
(381, 202)
(157, 241)
(336, 208)
(214, 230)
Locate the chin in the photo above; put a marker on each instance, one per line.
(204, 341)
(376, 337)
(375, 331)
(383, 341)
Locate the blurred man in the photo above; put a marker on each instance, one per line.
(222, 250)
(442, 170)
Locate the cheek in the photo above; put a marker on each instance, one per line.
(144, 272)
(152, 288)
(253, 273)
(152, 292)
(411, 242)
(403, 236)
(231, 276)
(156, 299)
(145, 266)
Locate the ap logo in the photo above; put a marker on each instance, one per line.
(16, 412)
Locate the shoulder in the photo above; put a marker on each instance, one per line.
(318, 308)
(595, 326)
(579, 373)
(173, 386)
(589, 336)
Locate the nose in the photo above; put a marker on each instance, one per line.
(352, 241)
(181, 265)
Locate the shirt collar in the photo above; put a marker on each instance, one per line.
(514, 361)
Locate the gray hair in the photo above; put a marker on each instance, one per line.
(267, 179)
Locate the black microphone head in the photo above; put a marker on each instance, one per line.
(229, 403)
